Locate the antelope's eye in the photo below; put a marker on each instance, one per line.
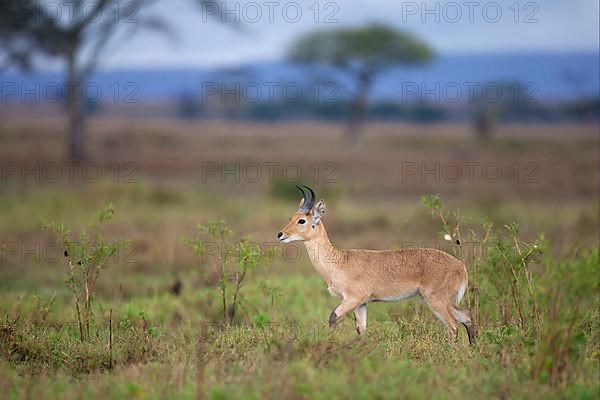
(301, 221)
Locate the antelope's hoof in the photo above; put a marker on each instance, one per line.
(332, 319)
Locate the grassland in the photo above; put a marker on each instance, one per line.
(169, 342)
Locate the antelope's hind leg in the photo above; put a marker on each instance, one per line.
(442, 311)
(464, 317)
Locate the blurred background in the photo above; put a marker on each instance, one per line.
(184, 112)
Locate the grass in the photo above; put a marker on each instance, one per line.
(149, 341)
(293, 355)
(175, 345)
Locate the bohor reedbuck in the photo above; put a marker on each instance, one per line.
(360, 277)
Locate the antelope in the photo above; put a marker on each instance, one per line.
(360, 277)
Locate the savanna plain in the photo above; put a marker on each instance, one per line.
(162, 277)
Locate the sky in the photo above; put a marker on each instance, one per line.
(268, 27)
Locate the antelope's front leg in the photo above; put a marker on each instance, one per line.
(348, 304)
(360, 313)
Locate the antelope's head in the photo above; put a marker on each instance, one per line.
(304, 224)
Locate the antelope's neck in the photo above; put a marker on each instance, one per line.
(324, 256)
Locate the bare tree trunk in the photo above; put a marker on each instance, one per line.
(75, 110)
(485, 121)
(358, 108)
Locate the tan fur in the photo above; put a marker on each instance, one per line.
(363, 276)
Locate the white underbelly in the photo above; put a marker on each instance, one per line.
(397, 297)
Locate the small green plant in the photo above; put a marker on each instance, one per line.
(85, 257)
(509, 260)
(501, 262)
(43, 306)
(272, 292)
(434, 204)
(569, 330)
(230, 260)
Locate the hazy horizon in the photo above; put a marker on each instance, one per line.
(199, 40)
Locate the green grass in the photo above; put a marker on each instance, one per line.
(406, 352)
(282, 347)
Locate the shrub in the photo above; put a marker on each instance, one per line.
(500, 262)
(85, 257)
(230, 260)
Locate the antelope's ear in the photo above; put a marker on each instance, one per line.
(301, 203)
(318, 211)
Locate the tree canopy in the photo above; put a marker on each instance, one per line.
(363, 53)
(27, 30)
(371, 48)
(78, 35)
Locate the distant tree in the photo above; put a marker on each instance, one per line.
(362, 53)
(188, 106)
(497, 101)
(484, 120)
(78, 34)
(584, 106)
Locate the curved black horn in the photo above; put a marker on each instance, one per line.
(312, 196)
(308, 203)
(305, 199)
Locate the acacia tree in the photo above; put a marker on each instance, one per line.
(77, 32)
(362, 53)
